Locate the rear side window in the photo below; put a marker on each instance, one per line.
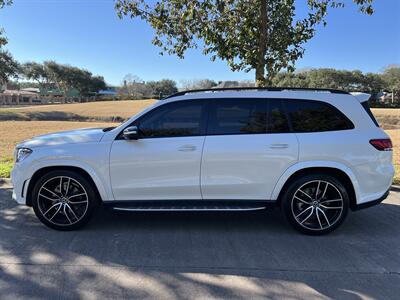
(177, 119)
(277, 120)
(315, 116)
(238, 116)
(365, 105)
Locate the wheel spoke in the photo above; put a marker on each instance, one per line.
(48, 198)
(78, 202)
(51, 207)
(306, 194)
(66, 192)
(303, 201)
(319, 221)
(77, 195)
(311, 213)
(316, 191)
(61, 186)
(330, 207)
(326, 187)
(51, 192)
(66, 215)
(329, 201)
(327, 221)
(72, 211)
(58, 209)
(308, 208)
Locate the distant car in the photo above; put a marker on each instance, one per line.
(315, 153)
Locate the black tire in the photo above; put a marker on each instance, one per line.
(72, 210)
(306, 198)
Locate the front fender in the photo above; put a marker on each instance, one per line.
(101, 181)
(314, 164)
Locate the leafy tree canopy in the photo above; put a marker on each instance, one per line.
(163, 87)
(260, 35)
(389, 80)
(9, 68)
(64, 77)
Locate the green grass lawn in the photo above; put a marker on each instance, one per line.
(5, 167)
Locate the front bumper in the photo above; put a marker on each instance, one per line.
(20, 184)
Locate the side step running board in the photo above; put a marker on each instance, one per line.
(190, 208)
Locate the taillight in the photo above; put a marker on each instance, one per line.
(382, 144)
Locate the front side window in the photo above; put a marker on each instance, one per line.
(314, 116)
(177, 119)
(238, 116)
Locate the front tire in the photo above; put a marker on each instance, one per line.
(64, 200)
(315, 204)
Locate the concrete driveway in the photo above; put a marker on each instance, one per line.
(198, 256)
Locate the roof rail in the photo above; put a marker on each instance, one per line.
(271, 89)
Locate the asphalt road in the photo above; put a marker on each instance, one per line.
(199, 256)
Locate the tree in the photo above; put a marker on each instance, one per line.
(63, 77)
(36, 72)
(198, 84)
(9, 68)
(331, 78)
(391, 78)
(266, 39)
(163, 87)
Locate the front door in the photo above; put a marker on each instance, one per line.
(164, 163)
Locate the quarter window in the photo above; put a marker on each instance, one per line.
(238, 116)
(314, 116)
(183, 118)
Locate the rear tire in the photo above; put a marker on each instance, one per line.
(315, 204)
(64, 200)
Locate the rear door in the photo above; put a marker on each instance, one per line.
(247, 148)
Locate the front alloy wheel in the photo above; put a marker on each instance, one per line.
(316, 204)
(63, 200)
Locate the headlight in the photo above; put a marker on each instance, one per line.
(22, 153)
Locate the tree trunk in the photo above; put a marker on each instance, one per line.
(262, 45)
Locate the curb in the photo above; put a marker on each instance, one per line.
(5, 181)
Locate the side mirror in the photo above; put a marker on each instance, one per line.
(131, 133)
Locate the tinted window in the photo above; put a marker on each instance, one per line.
(238, 116)
(182, 118)
(311, 116)
(277, 120)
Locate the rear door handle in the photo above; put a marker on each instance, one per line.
(187, 148)
(279, 146)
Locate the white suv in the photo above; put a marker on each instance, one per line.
(315, 153)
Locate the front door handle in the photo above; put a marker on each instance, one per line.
(279, 146)
(187, 148)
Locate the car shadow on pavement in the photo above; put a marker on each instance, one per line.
(198, 255)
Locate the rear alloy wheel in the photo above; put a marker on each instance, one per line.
(63, 200)
(316, 204)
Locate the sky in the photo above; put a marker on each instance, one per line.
(88, 34)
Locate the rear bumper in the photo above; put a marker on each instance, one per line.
(371, 203)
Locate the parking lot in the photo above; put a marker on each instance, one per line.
(199, 255)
